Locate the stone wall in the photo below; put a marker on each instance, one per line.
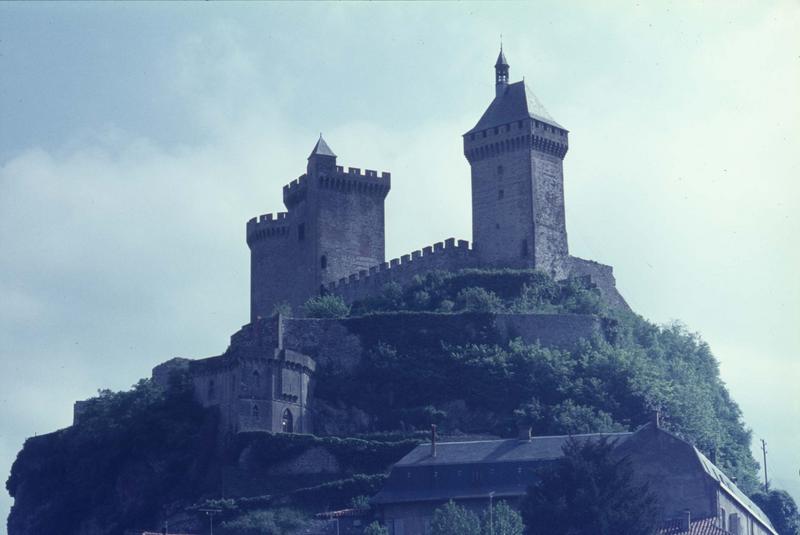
(342, 341)
(334, 227)
(448, 255)
(518, 194)
(601, 276)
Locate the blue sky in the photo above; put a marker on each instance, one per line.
(137, 139)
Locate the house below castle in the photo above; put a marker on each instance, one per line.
(694, 496)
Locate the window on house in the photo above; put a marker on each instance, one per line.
(323, 262)
(301, 232)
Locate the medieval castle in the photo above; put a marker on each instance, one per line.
(331, 240)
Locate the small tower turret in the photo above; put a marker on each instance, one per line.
(501, 73)
(322, 160)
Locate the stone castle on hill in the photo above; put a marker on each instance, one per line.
(331, 240)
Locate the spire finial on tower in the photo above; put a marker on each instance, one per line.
(501, 71)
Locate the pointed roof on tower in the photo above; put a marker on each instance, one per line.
(516, 102)
(501, 59)
(321, 149)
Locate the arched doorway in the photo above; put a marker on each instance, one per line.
(287, 422)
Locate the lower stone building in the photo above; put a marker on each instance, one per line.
(692, 492)
(257, 384)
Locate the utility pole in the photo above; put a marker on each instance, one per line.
(210, 514)
(491, 514)
(766, 479)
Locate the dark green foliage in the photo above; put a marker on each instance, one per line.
(478, 300)
(337, 494)
(375, 529)
(589, 492)
(486, 290)
(265, 522)
(326, 306)
(131, 453)
(354, 455)
(781, 509)
(503, 520)
(462, 376)
(452, 519)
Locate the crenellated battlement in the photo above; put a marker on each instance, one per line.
(448, 255)
(350, 180)
(267, 226)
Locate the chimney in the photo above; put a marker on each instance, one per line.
(686, 520)
(655, 418)
(433, 440)
(525, 432)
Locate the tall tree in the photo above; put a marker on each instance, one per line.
(452, 519)
(502, 520)
(589, 491)
(781, 509)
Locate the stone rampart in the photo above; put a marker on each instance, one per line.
(448, 255)
(268, 226)
(351, 180)
(601, 276)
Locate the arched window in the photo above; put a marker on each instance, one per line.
(256, 379)
(255, 412)
(323, 262)
(287, 422)
(211, 389)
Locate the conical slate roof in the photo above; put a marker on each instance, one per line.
(321, 149)
(501, 59)
(517, 102)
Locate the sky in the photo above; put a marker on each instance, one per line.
(137, 139)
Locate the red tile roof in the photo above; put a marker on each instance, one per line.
(702, 526)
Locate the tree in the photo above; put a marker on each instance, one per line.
(589, 491)
(505, 520)
(375, 529)
(781, 509)
(326, 306)
(452, 519)
(476, 299)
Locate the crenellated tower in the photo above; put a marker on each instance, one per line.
(333, 227)
(516, 153)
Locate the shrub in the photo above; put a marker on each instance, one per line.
(375, 529)
(326, 306)
(476, 299)
(452, 519)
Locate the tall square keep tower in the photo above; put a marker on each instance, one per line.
(516, 153)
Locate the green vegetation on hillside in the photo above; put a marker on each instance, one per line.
(477, 290)
(139, 455)
(608, 383)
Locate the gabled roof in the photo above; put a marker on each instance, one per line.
(703, 526)
(321, 149)
(495, 451)
(515, 103)
(731, 489)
